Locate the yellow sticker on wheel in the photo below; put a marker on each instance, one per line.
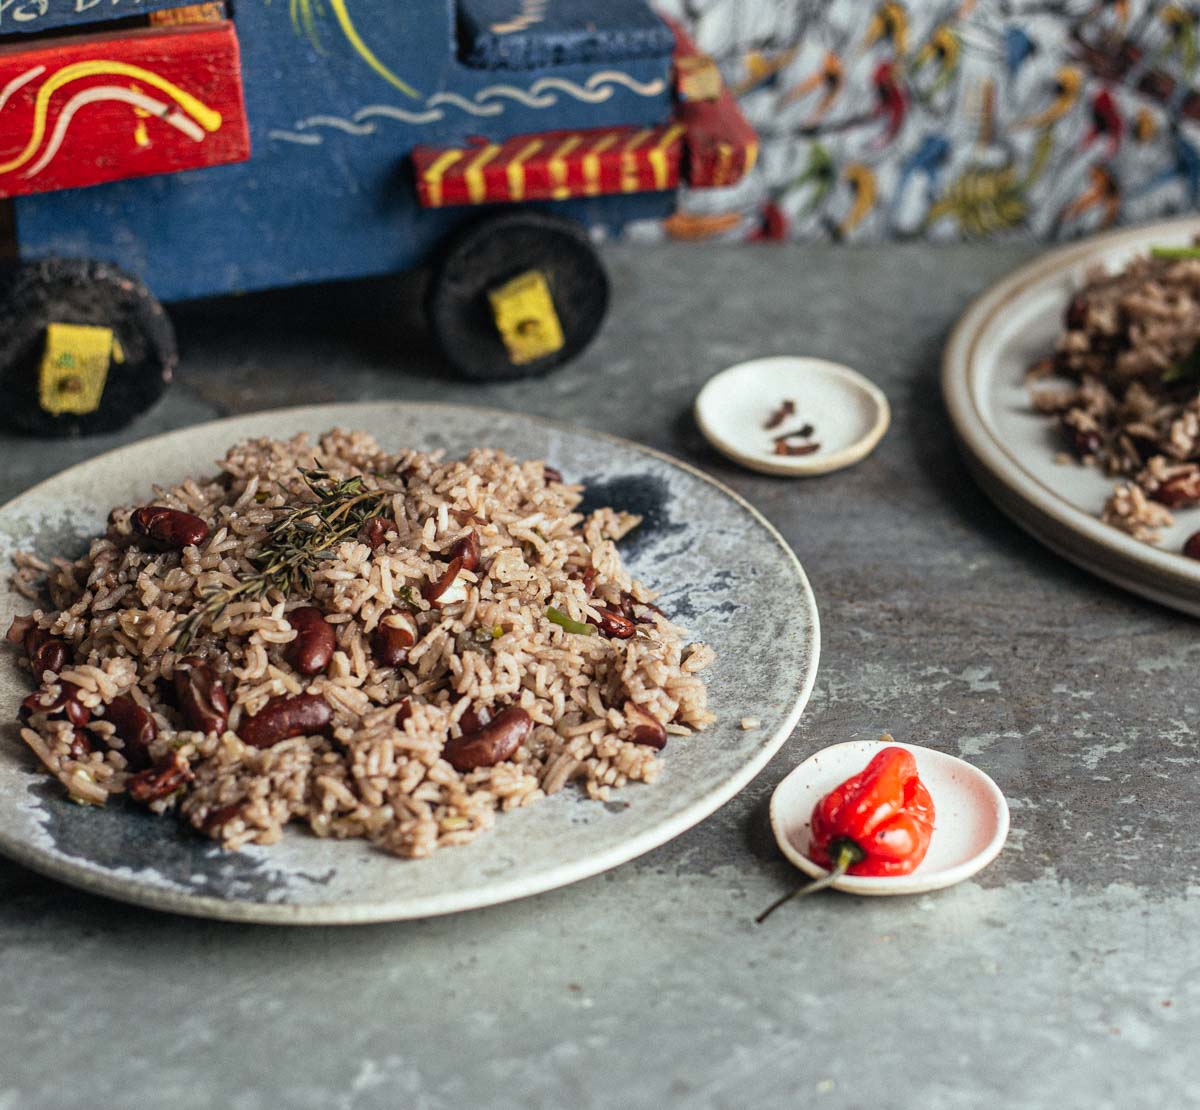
(525, 317)
(75, 367)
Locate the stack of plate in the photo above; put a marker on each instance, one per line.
(1013, 451)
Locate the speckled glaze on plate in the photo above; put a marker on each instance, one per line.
(1011, 449)
(722, 570)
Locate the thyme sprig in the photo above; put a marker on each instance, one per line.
(294, 546)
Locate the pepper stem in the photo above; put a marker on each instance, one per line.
(844, 852)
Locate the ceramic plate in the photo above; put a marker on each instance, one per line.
(1012, 450)
(970, 822)
(721, 569)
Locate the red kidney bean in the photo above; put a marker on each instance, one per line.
(393, 636)
(51, 655)
(76, 712)
(433, 590)
(1076, 315)
(81, 745)
(493, 743)
(645, 729)
(404, 712)
(466, 548)
(159, 781)
(282, 718)
(628, 604)
(549, 474)
(475, 718)
(33, 704)
(134, 726)
(222, 816)
(1191, 546)
(46, 652)
(588, 577)
(169, 529)
(1082, 443)
(65, 702)
(313, 646)
(1179, 491)
(375, 532)
(613, 624)
(201, 695)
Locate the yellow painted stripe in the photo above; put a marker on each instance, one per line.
(591, 163)
(635, 141)
(657, 157)
(365, 52)
(629, 162)
(557, 167)
(473, 175)
(433, 176)
(516, 169)
(672, 133)
(751, 156)
(724, 157)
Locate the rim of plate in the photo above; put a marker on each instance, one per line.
(86, 876)
(960, 370)
(799, 467)
(915, 883)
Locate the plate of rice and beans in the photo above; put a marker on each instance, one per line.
(1074, 388)
(371, 662)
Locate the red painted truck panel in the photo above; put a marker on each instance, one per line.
(552, 165)
(721, 146)
(86, 109)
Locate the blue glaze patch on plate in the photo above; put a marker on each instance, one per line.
(719, 567)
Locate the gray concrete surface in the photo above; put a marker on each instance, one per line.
(1067, 975)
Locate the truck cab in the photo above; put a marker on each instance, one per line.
(209, 148)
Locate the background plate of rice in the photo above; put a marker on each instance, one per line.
(1015, 452)
(720, 569)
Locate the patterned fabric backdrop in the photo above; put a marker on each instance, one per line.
(951, 119)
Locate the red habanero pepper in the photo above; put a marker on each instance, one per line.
(878, 822)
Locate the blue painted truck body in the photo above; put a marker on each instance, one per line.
(335, 107)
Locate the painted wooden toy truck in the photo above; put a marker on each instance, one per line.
(161, 149)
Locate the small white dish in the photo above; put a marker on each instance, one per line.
(848, 414)
(970, 821)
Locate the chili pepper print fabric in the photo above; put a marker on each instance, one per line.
(952, 119)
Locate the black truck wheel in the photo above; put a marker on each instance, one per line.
(84, 347)
(490, 257)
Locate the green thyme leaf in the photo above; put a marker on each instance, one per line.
(557, 616)
(1186, 368)
(1177, 254)
(296, 542)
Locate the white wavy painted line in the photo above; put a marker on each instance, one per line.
(616, 77)
(597, 88)
(337, 123)
(465, 104)
(156, 108)
(387, 111)
(593, 96)
(19, 82)
(522, 96)
(292, 137)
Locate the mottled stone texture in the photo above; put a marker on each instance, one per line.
(1068, 975)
